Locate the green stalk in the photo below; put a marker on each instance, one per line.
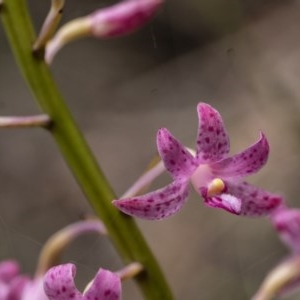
(122, 229)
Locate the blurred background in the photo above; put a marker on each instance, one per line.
(241, 56)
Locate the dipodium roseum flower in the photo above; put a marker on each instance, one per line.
(12, 283)
(59, 285)
(16, 286)
(217, 177)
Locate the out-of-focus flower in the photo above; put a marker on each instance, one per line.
(287, 223)
(285, 277)
(114, 21)
(59, 285)
(16, 286)
(215, 176)
(12, 283)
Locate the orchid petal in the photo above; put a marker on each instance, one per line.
(245, 163)
(22, 287)
(105, 286)
(255, 201)
(287, 223)
(59, 283)
(158, 204)
(177, 159)
(212, 138)
(225, 201)
(4, 290)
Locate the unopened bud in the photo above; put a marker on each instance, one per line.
(114, 21)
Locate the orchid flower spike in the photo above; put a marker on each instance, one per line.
(114, 21)
(217, 177)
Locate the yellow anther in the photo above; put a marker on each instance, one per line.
(215, 187)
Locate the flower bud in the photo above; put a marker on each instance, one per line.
(114, 21)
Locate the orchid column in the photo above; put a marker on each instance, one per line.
(125, 235)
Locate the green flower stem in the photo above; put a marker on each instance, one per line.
(122, 229)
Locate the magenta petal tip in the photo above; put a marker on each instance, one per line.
(123, 18)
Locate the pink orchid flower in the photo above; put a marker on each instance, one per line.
(12, 283)
(59, 285)
(217, 177)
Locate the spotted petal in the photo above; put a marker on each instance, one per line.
(212, 138)
(255, 201)
(177, 159)
(287, 223)
(105, 286)
(158, 204)
(59, 283)
(245, 163)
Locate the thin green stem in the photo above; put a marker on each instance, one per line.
(123, 231)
